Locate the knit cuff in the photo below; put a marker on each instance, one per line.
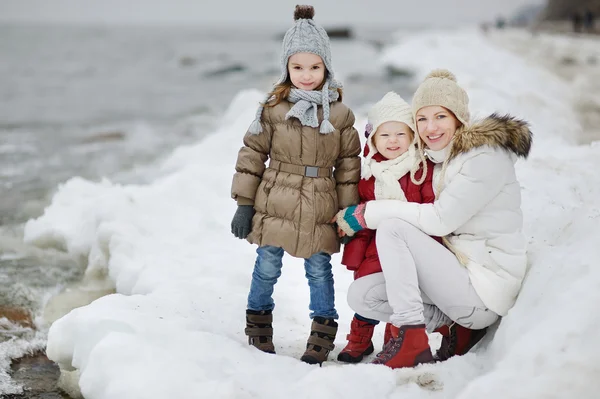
(352, 219)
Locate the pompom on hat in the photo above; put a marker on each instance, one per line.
(306, 36)
(440, 88)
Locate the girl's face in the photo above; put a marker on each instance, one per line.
(392, 139)
(436, 126)
(306, 70)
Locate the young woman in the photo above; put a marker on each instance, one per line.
(463, 287)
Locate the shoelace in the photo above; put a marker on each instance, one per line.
(389, 350)
(447, 351)
(452, 342)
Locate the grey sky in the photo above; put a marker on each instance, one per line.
(428, 13)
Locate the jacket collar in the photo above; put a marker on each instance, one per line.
(438, 156)
(505, 132)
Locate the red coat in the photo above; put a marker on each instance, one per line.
(360, 254)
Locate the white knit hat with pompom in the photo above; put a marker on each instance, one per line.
(391, 108)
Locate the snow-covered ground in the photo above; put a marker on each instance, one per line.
(175, 327)
(574, 58)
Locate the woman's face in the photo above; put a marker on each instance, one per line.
(436, 126)
(306, 70)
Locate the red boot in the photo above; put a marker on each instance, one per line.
(408, 347)
(387, 334)
(457, 340)
(359, 342)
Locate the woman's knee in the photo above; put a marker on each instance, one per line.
(364, 293)
(473, 318)
(355, 298)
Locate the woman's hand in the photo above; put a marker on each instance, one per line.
(350, 220)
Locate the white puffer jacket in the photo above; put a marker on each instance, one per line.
(478, 206)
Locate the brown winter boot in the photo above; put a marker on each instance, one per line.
(359, 342)
(320, 342)
(259, 329)
(408, 347)
(457, 340)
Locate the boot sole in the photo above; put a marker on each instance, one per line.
(348, 358)
(311, 360)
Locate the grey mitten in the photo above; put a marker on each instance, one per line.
(241, 225)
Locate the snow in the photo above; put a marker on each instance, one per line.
(175, 326)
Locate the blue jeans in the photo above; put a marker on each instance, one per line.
(267, 270)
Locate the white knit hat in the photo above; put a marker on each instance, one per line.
(440, 88)
(391, 108)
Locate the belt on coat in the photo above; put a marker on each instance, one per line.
(302, 170)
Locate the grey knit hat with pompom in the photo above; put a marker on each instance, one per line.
(306, 36)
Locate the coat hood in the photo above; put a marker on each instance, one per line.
(506, 132)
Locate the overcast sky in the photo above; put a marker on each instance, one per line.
(428, 13)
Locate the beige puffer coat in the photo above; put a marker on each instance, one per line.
(292, 210)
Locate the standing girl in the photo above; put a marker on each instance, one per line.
(307, 135)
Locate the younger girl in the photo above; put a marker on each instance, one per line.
(307, 135)
(389, 172)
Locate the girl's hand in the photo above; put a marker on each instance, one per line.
(339, 230)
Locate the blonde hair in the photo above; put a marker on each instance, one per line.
(461, 257)
(421, 148)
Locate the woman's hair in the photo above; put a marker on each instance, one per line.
(421, 150)
(282, 90)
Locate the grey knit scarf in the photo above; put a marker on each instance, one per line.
(306, 104)
(305, 107)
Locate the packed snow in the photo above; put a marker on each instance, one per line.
(175, 326)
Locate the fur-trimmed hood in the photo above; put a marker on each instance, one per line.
(498, 131)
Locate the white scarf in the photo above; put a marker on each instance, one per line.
(438, 156)
(387, 173)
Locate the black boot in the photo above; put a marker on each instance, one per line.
(320, 342)
(259, 329)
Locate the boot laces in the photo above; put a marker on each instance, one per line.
(389, 350)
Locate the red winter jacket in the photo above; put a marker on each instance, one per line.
(360, 254)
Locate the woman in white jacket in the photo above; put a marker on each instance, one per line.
(463, 287)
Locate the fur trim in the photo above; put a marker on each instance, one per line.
(304, 12)
(505, 132)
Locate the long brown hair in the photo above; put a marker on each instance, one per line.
(281, 91)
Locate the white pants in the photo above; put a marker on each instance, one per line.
(422, 282)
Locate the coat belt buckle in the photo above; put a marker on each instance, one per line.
(311, 171)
